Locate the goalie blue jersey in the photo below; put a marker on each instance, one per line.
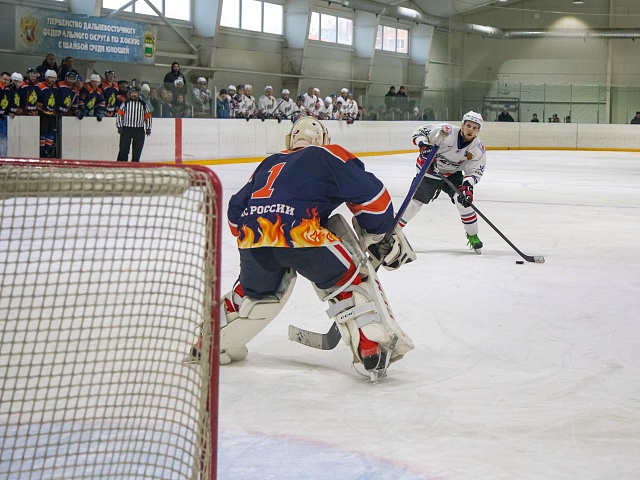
(292, 193)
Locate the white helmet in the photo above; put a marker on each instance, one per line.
(474, 117)
(307, 131)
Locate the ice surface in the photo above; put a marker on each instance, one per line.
(520, 371)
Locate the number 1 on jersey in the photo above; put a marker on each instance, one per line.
(267, 191)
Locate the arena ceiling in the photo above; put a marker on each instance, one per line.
(442, 8)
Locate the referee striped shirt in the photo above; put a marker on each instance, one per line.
(133, 113)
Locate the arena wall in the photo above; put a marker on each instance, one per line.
(220, 141)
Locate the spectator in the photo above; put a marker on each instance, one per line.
(133, 122)
(428, 114)
(249, 108)
(29, 92)
(567, 119)
(389, 98)
(91, 102)
(535, 118)
(145, 96)
(68, 65)
(202, 100)
(401, 100)
(154, 99)
(505, 116)
(179, 88)
(415, 114)
(636, 120)
(231, 91)
(110, 92)
(170, 78)
(166, 99)
(554, 118)
(266, 104)
(223, 107)
(47, 111)
(180, 108)
(49, 63)
(284, 106)
(67, 96)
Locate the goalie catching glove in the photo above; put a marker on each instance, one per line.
(392, 252)
(466, 194)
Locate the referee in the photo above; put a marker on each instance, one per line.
(133, 120)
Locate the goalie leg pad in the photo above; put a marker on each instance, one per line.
(366, 307)
(251, 317)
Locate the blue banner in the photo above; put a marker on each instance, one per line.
(40, 31)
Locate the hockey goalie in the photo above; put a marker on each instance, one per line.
(283, 224)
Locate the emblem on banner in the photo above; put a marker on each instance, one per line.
(149, 44)
(29, 27)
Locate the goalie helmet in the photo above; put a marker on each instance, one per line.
(307, 131)
(474, 117)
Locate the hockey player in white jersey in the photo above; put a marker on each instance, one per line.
(347, 106)
(284, 106)
(461, 157)
(267, 104)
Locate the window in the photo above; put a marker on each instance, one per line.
(178, 9)
(253, 15)
(391, 39)
(332, 29)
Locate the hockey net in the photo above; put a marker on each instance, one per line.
(108, 274)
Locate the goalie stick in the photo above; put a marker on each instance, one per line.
(528, 258)
(330, 340)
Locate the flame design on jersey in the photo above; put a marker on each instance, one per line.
(4, 103)
(271, 235)
(310, 233)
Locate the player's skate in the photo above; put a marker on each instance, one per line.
(474, 243)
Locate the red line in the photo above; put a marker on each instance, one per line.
(178, 140)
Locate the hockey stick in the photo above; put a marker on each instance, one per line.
(329, 340)
(528, 258)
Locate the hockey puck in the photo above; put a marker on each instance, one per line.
(520, 262)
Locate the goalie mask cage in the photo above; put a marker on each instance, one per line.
(109, 272)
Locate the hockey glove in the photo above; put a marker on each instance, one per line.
(466, 194)
(443, 133)
(148, 132)
(425, 148)
(99, 117)
(120, 131)
(80, 114)
(393, 252)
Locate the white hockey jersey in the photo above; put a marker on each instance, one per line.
(285, 107)
(267, 105)
(453, 155)
(347, 108)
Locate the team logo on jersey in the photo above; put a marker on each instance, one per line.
(481, 147)
(469, 155)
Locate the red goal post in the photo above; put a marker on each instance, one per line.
(109, 271)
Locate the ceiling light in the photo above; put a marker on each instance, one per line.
(578, 2)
